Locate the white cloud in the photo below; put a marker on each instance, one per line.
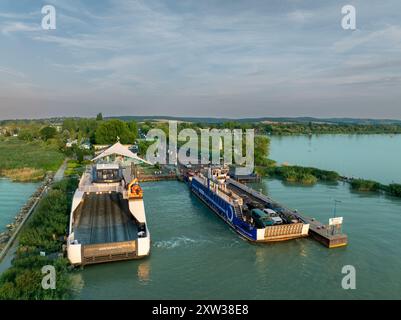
(380, 40)
(12, 72)
(11, 27)
(300, 16)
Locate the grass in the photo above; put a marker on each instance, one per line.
(23, 174)
(28, 161)
(74, 168)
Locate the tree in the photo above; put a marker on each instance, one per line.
(29, 134)
(70, 125)
(261, 150)
(109, 131)
(47, 133)
(99, 117)
(133, 127)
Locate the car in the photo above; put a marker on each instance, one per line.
(277, 220)
(270, 211)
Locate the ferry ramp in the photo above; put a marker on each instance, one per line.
(104, 218)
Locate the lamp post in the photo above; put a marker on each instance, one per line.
(335, 206)
(334, 214)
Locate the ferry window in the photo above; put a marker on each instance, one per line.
(107, 174)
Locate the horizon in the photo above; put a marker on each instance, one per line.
(210, 59)
(172, 118)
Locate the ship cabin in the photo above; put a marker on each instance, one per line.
(106, 173)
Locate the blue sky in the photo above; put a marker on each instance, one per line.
(207, 58)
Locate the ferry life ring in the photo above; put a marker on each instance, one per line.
(230, 217)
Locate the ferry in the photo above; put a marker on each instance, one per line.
(107, 219)
(251, 214)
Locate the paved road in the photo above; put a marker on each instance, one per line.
(60, 172)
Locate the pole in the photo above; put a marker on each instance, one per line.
(334, 213)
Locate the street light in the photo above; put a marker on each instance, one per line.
(335, 206)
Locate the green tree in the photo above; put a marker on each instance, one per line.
(47, 133)
(29, 134)
(109, 131)
(133, 127)
(261, 153)
(99, 117)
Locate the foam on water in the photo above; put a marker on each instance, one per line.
(180, 242)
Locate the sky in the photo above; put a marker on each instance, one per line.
(203, 58)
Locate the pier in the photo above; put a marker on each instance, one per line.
(329, 236)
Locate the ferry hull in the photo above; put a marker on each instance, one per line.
(225, 211)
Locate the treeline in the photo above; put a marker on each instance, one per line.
(303, 175)
(294, 128)
(325, 128)
(45, 232)
(393, 189)
(310, 175)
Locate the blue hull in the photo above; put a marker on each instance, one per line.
(223, 209)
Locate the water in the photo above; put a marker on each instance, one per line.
(13, 196)
(376, 157)
(196, 256)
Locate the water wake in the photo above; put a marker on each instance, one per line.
(179, 242)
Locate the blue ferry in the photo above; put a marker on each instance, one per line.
(251, 214)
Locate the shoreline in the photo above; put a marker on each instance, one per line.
(8, 236)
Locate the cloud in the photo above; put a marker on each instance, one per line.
(300, 16)
(11, 72)
(231, 53)
(80, 41)
(383, 39)
(11, 27)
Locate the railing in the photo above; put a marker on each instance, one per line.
(283, 230)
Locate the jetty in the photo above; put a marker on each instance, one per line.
(329, 236)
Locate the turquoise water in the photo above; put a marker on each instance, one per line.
(13, 196)
(196, 256)
(376, 157)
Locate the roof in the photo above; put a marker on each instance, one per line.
(119, 149)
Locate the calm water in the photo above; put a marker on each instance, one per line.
(195, 255)
(13, 196)
(376, 157)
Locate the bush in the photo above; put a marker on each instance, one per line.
(394, 190)
(44, 232)
(365, 185)
(305, 175)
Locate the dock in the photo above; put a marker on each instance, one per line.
(326, 235)
(329, 236)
